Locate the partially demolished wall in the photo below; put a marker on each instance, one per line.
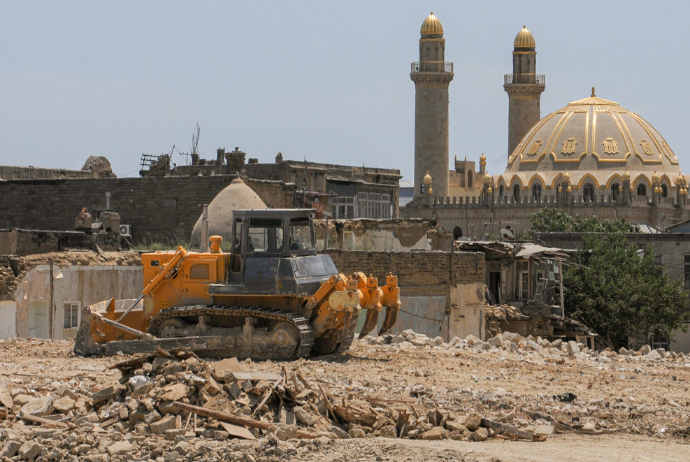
(442, 293)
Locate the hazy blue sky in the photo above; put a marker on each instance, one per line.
(321, 80)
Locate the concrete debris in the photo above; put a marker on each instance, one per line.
(465, 389)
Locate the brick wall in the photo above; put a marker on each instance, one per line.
(159, 209)
(419, 272)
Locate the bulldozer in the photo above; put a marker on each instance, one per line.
(271, 296)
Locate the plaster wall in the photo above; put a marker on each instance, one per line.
(84, 285)
(8, 319)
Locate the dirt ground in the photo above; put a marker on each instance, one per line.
(634, 409)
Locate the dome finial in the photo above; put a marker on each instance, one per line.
(593, 93)
(431, 26)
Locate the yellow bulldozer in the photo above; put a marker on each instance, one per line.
(272, 296)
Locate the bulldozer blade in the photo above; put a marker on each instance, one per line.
(370, 322)
(389, 320)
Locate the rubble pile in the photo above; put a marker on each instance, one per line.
(516, 343)
(175, 406)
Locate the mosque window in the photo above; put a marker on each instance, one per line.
(516, 192)
(664, 191)
(641, 190)
(588, 195)
(469, 178)
(500, 191)
(536, 192)
(615, 189)
(457, 232)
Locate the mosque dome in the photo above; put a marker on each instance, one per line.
(596, 141)
(524, 39)
(236, 196)
(431, 26)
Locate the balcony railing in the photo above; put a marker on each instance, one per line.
(432, 66)
(525, 78)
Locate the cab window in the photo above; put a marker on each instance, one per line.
(265, 235)
(301, 234)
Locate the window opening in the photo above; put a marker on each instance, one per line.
(71, 315)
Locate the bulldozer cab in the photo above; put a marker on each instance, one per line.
(273, 233)
(273, 252)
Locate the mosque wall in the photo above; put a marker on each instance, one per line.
(475, 221)
(158, 209)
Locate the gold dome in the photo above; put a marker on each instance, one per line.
(489, 190)
(431, 26)
(482, 159)
(524, 39)
(680, 179)
(595, 139)
(655, 177)
(566, 175)
(427, 178)
(487, 178)
(626, 175)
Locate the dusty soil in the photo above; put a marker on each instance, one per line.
(638, 408)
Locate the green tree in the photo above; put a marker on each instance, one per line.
(555, 220)
(620, 292)
(550, 220)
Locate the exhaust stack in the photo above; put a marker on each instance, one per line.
(203, 244)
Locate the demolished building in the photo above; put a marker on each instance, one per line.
(523, 282)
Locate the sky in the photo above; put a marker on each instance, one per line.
(321, 80)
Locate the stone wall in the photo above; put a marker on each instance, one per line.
(158, 209)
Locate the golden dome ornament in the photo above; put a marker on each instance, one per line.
(626, 175)
(524, 39)
(431, 26)
(427, 178)
(655, 177)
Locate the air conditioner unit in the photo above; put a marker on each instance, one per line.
(126, 229)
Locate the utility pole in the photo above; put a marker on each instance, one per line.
(51, 308)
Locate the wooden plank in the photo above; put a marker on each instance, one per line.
(328, 404)
(267, 395)
(236, 430)
(46, 422)
(510, 431)
(267, 376)
(226, 417)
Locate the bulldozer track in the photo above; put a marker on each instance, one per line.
(300, 322)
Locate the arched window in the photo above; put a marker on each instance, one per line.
(588, 195)
(500, 191)
(536, 192)
(641, 190)
(615, 189)
(457, 232)
(469, 178)
(516, 192)
(664, 191)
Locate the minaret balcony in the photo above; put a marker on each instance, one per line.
(538, 79)
(432, 66)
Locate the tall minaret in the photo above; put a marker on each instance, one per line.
(524, 87)
(431, 77)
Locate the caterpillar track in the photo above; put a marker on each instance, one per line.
(257, 344)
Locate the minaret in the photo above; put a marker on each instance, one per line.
(524, 87)
(431, 76)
